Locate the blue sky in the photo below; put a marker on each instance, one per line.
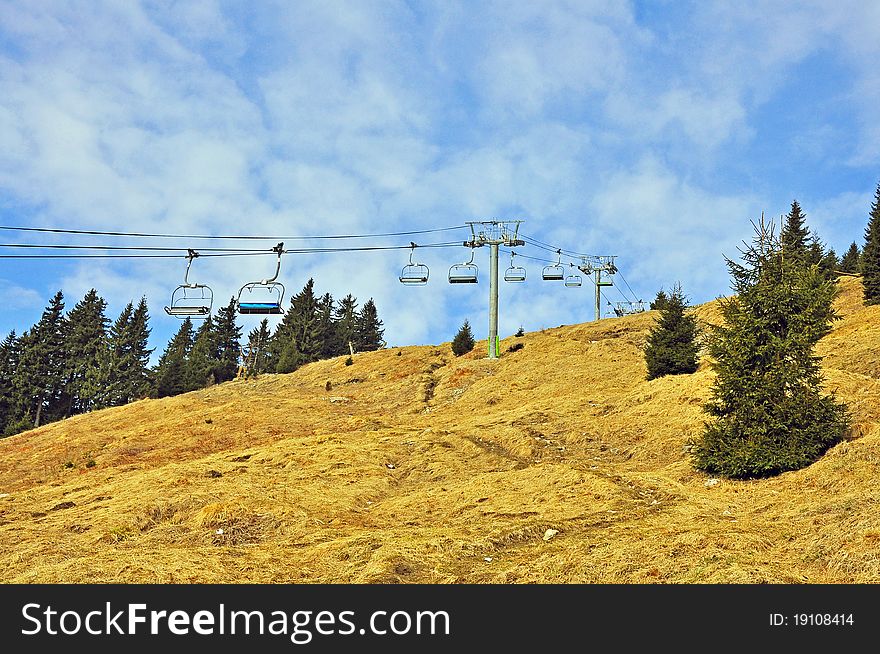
(653, 131)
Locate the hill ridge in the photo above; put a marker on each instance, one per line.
(419, 466)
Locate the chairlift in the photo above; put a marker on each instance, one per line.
(514, 273)
(263, 297)
(414, 274)
(190, 300)
(554, 272)
(464, 273)
(573, 279)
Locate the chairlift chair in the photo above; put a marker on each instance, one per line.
(265, 296)
(190, 300)
(573, 279)
(554, 272)
(514, 273)
(463, 273)
(414, 274)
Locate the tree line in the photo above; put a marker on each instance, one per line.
(768, 412)
(79, 361)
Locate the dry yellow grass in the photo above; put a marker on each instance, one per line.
(417, 466)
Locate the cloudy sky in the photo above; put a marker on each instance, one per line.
(653, 131)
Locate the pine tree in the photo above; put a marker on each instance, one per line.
(346, 325)
(672, 347)
(369, 332)
(849, 262)
(795, 237)
(769, 414)
(295, 342)
(9, 353)
(228, 338)
(171, 371)
(113, 360)
(326, 333)
(203, 357)
(258, 348)
(85, 341)
(464, 340)
(137, 375)
(40, 372)
(660, 301)
(871, 254)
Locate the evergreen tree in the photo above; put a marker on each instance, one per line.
(203, 357)
(171, 371)
(113, 360)
(258, 348)
(660, 301)
(672, 347)
(40, 372)
(871, 254)
(137, 375)
(124, 375)
(295, 342)
(9, 352)
(346, 324)
(795, 237)
(326, 333)
(84, 341)
(369, 332)
(849, 262)
(228, 338)
(769, 414)
(464, 340)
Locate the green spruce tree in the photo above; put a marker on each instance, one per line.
(326, 333)
(768, 412)
(258, 348)
(796, 239)
(203, 357)
(9, 353)
(871, 254)
(464, 340)
(228, 338)
(672, 347)
(171, 371)
(369, 332)
(346, 325)
(659, 301)
(849, 262)
(85, 340)
(39, 377)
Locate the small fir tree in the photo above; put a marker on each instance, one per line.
(659, 302)
(369, 332)
(463, 341)
(172, 367)
(672, 347)
(871, 254)
(849, 262)
(769, 414)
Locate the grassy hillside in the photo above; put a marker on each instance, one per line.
(417, 466)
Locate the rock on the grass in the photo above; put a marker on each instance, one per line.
(550, 533)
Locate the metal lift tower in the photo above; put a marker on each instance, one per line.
(494, 233)
(599, 264)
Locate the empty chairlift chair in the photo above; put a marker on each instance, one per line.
(414, 274)
(514, 273)
(190, 300)
(263, 297)
(463, 273)
(554, 272)
(573, 279)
